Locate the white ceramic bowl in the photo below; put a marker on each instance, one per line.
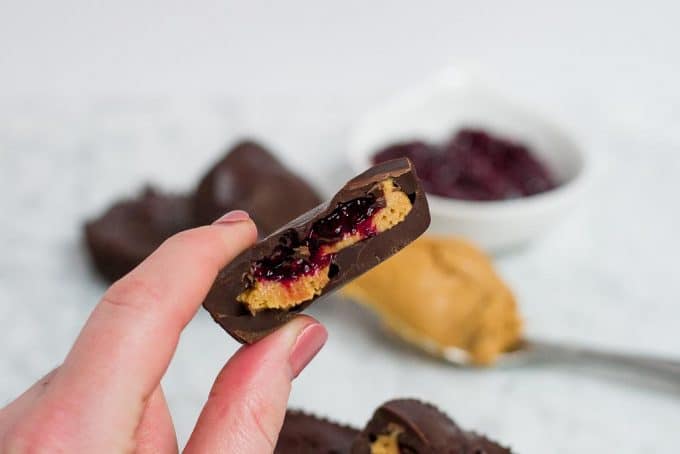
(450, 101)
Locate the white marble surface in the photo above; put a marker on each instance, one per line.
(607, 276)
(97, 98)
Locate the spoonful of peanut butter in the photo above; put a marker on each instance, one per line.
(443, 296)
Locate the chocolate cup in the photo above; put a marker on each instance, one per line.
(303, 433)
(348, 264)
(426, 430)
(130, 230)
(250, 178)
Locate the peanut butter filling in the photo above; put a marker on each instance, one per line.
(387, 443)
(439, 293)
(397, 206)
(274, 294)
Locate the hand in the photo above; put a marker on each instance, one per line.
(107, 397)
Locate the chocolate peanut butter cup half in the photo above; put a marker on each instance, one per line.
(372, 217)
(409, 426)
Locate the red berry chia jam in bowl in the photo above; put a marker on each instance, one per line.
(495, 172)
(474, 165)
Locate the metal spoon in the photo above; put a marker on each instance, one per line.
(533, 350)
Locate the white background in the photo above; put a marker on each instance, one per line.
(96, 98)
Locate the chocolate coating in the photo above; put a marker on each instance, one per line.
(250, 178)
(307, 434)
(132, 229)
(426, 430)
(348, 263)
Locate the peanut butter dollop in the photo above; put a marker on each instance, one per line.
(440, 293)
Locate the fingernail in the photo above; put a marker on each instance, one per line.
(233, 216)
(307, 345)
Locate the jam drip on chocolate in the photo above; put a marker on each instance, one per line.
(296, 257)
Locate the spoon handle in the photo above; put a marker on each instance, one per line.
(665, 367)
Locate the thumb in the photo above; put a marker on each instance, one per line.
(247, 403)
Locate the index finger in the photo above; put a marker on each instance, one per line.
(128, 341)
